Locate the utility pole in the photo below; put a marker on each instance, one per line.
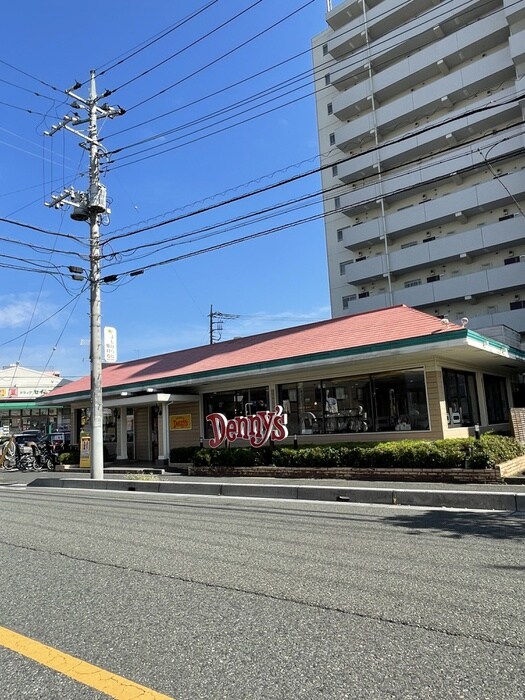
(216, 323)
(90, 206)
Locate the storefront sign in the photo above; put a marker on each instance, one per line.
(181, 422)
(110, 344)
(257, 428)
(85, 451)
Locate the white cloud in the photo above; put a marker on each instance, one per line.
(17, 310)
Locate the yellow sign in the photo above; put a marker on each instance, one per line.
(181, 422)
(85, 451)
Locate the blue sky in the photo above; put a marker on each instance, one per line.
(271, 281)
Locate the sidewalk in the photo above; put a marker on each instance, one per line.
(503, 497)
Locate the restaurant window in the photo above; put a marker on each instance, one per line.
(368, 403)
(236, 402)
(400, 401)
(496, 398)
(461, 398)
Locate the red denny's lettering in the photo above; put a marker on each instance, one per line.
(257, 428)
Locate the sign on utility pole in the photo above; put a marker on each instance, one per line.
(90, 206)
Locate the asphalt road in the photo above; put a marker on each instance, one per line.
(206, 598)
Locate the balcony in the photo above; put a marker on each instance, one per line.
(395, 187)
(459, 85)
(416, 34)
(433, 139)
(346, 11)
(456, 206)
(476, 284)
(434, 60)
(381, 19)
(460, 246)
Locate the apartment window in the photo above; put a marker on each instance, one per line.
(334, 170)
(329, 108)
(427, 240)
(511, 261)
(339, 235)
(433, 278)
(412, 283)
(515, 305)
(337, 202)
(342, 266)
(361, 257)
(347, 300)
(331, 138)
(325, 49)
(363, 295)
(408, 245)
(327, 79)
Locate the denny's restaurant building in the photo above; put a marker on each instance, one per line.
(390, 374)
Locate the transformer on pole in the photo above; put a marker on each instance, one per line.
(90, 206)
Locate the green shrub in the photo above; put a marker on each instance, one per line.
(70, 457)
(454, 453)
(183, 454)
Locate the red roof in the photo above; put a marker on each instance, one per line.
(381, 326)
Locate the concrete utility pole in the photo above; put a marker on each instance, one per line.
(90, 206)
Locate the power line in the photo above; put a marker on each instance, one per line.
(44, 321)
(319, 169)
(197, 134)
(30, 227)
(29, 75)
(149, 42)
(321, 215)
(300, 76)
(224, 55)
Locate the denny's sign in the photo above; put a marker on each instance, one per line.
(257, 428)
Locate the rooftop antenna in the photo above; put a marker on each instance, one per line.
(217, 319)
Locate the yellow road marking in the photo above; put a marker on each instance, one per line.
(106, 682)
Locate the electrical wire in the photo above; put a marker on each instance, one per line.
(44, 321)
(149, 42)
(30, 227)
(319, 169)
(301, 76)
(273, 210)
(224, 55)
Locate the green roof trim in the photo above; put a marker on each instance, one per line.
(18, 405)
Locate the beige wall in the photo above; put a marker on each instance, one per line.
(142, 434)
(186, 438)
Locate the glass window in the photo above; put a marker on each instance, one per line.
(400, 401)
(237, 402)
(382, 402)
(461, 398)
(496, 398)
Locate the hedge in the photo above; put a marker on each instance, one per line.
(454, 453)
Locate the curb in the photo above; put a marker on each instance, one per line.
(482, 500)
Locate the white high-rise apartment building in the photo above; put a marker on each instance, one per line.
(420, 109)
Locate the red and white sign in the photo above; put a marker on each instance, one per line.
(257, 428)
